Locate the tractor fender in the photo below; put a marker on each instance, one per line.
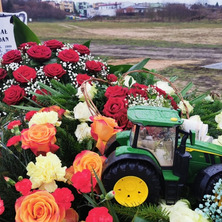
(114, 159)
(202, 179)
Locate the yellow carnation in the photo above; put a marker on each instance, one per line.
(45, 117)
(45, 171)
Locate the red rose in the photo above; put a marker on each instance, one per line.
(80, 78)
(102, 65)
(3, 73)
(82, 181)
(13, 95)
(116, 91)
(160, 91)
(173, 103)
(112, 78)
(40, 92)
(24, 186)
(122, 119)
(139, 86)
(99, 214)
(93, 66)
(13, 124)
(82, 49)
(11, 56)
(69, 55)
(114, 105)
(14, 140)
(63, 197)
(39, 52)
(25, 46)
(53, 44)
(136, 92)
(54, 70)
(24, 74)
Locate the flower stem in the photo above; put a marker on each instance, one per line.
(10, 152)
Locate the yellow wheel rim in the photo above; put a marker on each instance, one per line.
(130, 191)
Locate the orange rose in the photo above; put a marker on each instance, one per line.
(40, 138)
(102, 129)
(38, 206)
(89, 160)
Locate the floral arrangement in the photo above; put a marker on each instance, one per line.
(64, 106)
(24, 68)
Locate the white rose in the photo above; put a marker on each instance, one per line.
(90, 89)
(181, 212)
(218, 119)
(129, 81)
(81, 112)
(83, 131)
(218, 141)
(182, 107)
(209, 98)
(165, 86)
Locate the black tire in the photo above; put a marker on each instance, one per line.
(211, 183)
(136, 168)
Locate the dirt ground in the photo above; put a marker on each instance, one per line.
(161, 58)
(153, 64)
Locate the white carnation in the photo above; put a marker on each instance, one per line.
(83, 131)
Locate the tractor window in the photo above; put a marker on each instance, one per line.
(160, 141)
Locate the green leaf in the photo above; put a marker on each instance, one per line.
(22, 32)
(199, 98)
(28, 108)
(139, 219)
(51, 61)
(87, 44)
(173, 78)
(139, 65)
(186, 89)
(48, 88)
(119, 68)
(90, 200)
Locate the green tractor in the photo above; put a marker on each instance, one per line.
(156, 159)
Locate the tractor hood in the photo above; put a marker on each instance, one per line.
(204, 147)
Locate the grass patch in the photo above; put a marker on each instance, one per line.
(76, 32)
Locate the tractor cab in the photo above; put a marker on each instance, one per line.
(155, 130)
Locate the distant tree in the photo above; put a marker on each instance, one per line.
(38, 10)
(8, 6)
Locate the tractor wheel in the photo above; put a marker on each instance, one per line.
(134, 183)
(211, 183)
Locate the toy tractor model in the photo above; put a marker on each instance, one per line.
(157, 159)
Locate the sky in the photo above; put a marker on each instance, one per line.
(210, 2)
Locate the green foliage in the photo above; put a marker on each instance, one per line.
(61, 95)
(207, 111)
(9, 195)
(66, 140)
(23, 33)
(146, 213)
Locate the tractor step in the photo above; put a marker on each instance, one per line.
(172, 191)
